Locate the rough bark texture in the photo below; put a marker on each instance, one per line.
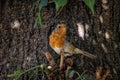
(24, 47)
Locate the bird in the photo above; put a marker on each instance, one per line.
(58, 42)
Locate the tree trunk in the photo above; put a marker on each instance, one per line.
(24, 46)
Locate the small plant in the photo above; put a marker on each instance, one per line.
(43, 3)
(17, 74)
(44, 68)
(58, 5)
(51, 71)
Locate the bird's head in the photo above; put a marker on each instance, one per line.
(61, 29)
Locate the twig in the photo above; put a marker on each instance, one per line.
(59, 11)
(50, 59)
(61, 59)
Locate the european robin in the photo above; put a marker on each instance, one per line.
(58, 42)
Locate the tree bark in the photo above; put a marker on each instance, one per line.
(24, 47)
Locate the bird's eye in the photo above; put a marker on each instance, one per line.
(58, 26)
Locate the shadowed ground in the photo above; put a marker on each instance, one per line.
(25, 46)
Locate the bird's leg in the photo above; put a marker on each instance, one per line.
(61, 59)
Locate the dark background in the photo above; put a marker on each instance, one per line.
(24, 47)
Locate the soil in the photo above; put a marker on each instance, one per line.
(24, 46)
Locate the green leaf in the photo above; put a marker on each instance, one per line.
(90, 4)
(42, 4)
(16, 74)
(32, 75)
(60, 3)
(79, 76)
(39, 19)
(36, 21)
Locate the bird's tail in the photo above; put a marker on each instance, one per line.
(78, 51)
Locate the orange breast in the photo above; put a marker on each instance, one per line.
(57, 38)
